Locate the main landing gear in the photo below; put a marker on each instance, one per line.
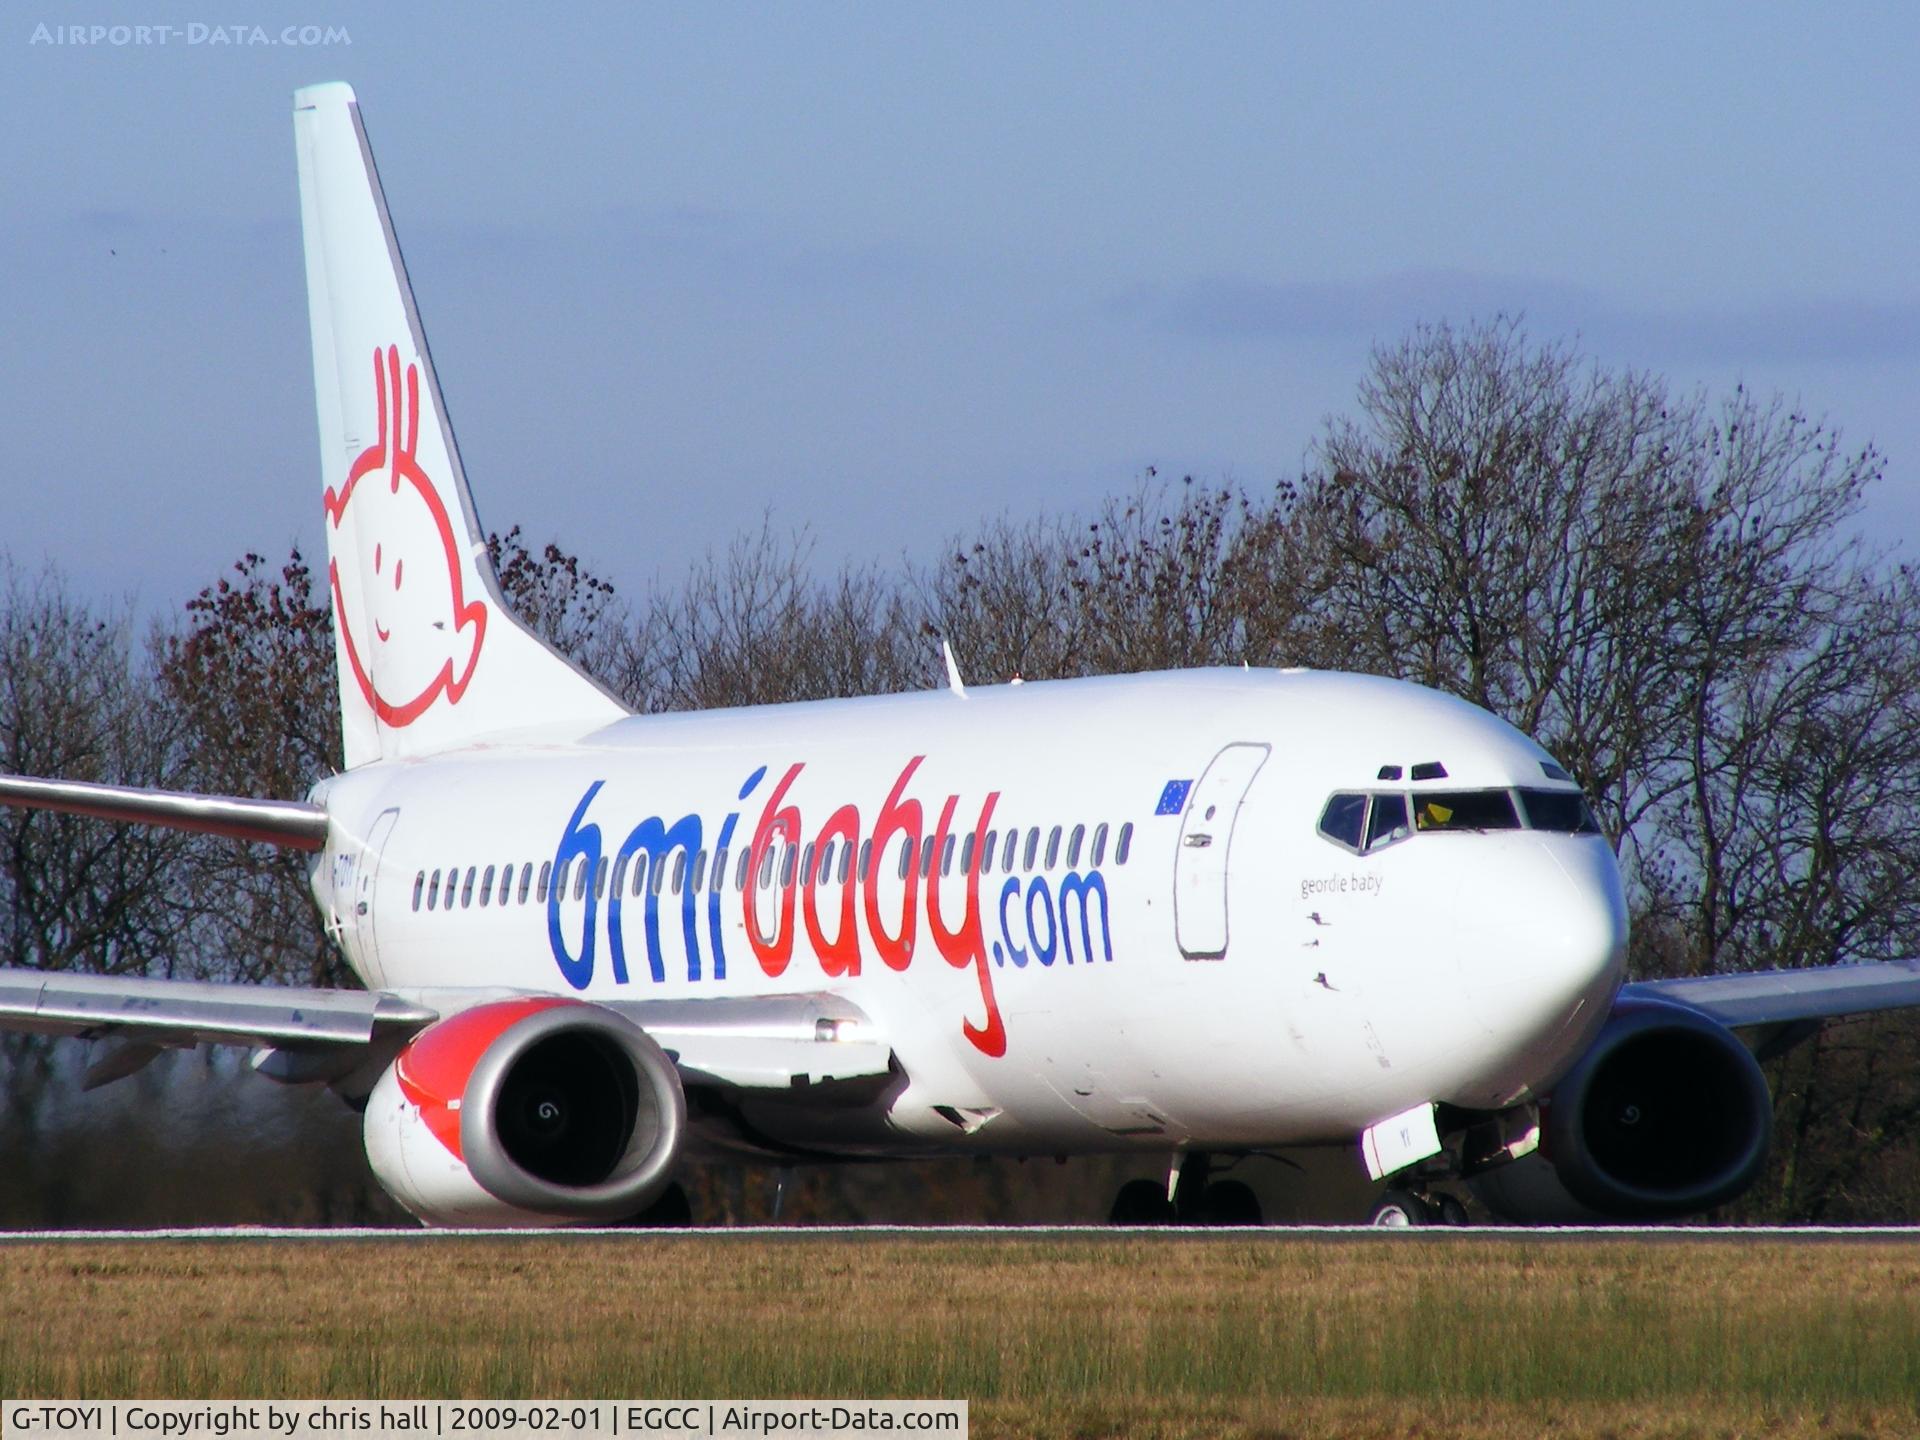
(1190, 1197)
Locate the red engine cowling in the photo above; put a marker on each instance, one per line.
(527, 1112)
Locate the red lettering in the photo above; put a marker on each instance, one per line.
(773, 953)
(896, 817)
(841, 955)
(967, 946)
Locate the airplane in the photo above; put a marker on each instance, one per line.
(1198, 915)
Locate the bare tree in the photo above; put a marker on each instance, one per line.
(250, 677)
(752, 627)
(74, 702)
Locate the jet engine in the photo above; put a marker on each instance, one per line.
(1666, 1114)
(534, 1111)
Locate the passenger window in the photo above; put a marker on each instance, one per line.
(986, 852)
(786, 869)
(826, 861)
(720, 857)
(1006, 855)
(766, 867)
(620, 864)
(1099, 844)
(419, 888)
(1053, 847)
(906, 857)
(1073, 846)
(946, 857)
(1033, 848)
(806, 864)
(580, 879)
(1465, 810)
(740, 872)
(486, 887)
(466, 889)
(866, 858)
(1344, 821)
(526, 880)
(699, 871)
(600, 879)
(926, 857)
(1123, 844)
(546, 874)
(638, 880)
(966, 854)
(846, 860)
(659, 868)
(433, 890)
(679, 871)
(1387, 822)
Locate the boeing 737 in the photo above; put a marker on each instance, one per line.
(1194, 915)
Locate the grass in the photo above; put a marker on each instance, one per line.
(1201, 1336)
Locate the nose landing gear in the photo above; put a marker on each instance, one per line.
(1398, 1209)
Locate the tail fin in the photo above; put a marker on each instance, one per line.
(429, 655)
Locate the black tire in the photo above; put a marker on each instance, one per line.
(1141, 1202)
(1230, 1202)
(1448, 1210)
(1400, 1210)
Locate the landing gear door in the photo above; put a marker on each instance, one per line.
(366, 880)
(1206, 836)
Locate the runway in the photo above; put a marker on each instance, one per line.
(1171, 1234)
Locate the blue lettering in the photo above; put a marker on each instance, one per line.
(716, 887)
(653, 836)
(1007, 892)
(1038, 890)
(1074, 887)
(578, 841)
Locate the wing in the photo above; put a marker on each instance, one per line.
(293, 824)
(1784, 1007)
(132, 1019)
(812, 1045)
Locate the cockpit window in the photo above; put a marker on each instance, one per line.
(1364, 823)
(1345, 820)
(1465, 810)
(1563, 810)
(1388, 821)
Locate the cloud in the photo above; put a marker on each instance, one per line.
(1241, 309)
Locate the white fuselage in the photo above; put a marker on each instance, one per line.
(1229, 977)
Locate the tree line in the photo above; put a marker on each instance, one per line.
(1671, 591)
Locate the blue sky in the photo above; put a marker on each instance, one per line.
(886, 270)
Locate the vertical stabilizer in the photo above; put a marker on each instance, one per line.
(429, 656)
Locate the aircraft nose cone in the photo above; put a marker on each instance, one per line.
(1546, 989)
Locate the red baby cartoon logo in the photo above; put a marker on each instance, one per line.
(409, 632)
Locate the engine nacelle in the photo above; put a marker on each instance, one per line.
(1667, 1114)
(527, 1112)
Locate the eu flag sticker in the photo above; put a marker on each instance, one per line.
(1173, 797)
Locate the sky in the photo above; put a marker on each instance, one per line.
(884, 271)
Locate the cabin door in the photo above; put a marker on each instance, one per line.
(1200, 918)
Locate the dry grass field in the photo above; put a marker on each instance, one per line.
(1045, 1335)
